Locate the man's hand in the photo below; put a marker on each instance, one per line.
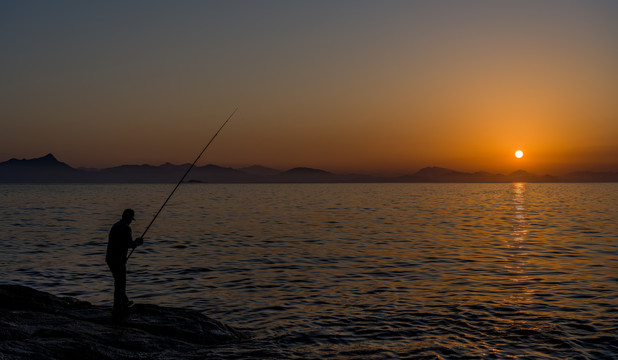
(139, 241)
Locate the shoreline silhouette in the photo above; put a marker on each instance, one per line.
(48, 169)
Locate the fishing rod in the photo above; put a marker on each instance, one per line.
(183, 177)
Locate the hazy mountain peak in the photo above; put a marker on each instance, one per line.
(306, 170)
(47, 160)
(259, 170)
(49, 157)
(434, 171)
(521, 173)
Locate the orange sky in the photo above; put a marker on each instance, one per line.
(346, 86)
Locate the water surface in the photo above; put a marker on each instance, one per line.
(348, 271)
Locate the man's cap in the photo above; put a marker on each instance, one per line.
(128, 214)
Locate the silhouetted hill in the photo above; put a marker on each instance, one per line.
(589, 176)
(306, 171)
(48, 169)
(259, 170)
(217, 174)
(304, 174)
(45, 169)
(170, 173)
(435, 172)
(524, 176)
(439, 174)
(141, 173)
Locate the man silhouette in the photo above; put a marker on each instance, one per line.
(120, 240)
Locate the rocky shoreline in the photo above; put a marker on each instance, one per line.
(39, 325)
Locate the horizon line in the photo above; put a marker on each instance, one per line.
(402, 174)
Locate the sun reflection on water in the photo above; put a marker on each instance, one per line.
(518, 256)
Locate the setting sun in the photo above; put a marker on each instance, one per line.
(519, 154)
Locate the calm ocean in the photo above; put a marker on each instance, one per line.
(344, 271)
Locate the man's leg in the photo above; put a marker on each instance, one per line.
(119, 271)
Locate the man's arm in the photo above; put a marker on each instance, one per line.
(138, 242)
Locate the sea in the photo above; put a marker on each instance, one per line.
(343, 271)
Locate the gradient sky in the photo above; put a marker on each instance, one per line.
(345, 86)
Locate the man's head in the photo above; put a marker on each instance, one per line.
(128, 215)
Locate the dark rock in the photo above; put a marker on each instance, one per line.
(38, 325)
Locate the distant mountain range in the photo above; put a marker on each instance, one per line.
(48, 169)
